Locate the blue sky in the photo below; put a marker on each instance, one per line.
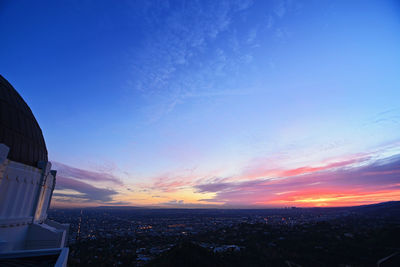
(144, 102)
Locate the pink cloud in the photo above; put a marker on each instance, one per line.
(81, 174)
(261, 171)
(331, 184)
(89, 193)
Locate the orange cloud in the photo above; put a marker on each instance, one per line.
(336, 184)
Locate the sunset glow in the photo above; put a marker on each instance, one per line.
(212, 104)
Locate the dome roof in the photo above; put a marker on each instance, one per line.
(19, 129)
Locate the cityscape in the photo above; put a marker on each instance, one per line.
(132, 236)
(200, 133)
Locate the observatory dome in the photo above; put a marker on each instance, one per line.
(27, 183)
(19, 129)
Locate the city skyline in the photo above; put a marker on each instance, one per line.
(211, 104)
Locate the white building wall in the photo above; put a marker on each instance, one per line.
(25, 194)
(13, 238)
(43, 236)
(19, 187)
(44, 198)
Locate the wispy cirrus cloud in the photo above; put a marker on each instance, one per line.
(350, 181)
(75, 185)
(169, 185)
(87, 192)
(171, 182)
(81, 174)
(213, 187)
(262, 169)
(169, 70)
(341, 183)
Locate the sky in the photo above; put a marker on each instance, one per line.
(211, 104)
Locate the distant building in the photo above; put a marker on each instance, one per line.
(27, 182)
